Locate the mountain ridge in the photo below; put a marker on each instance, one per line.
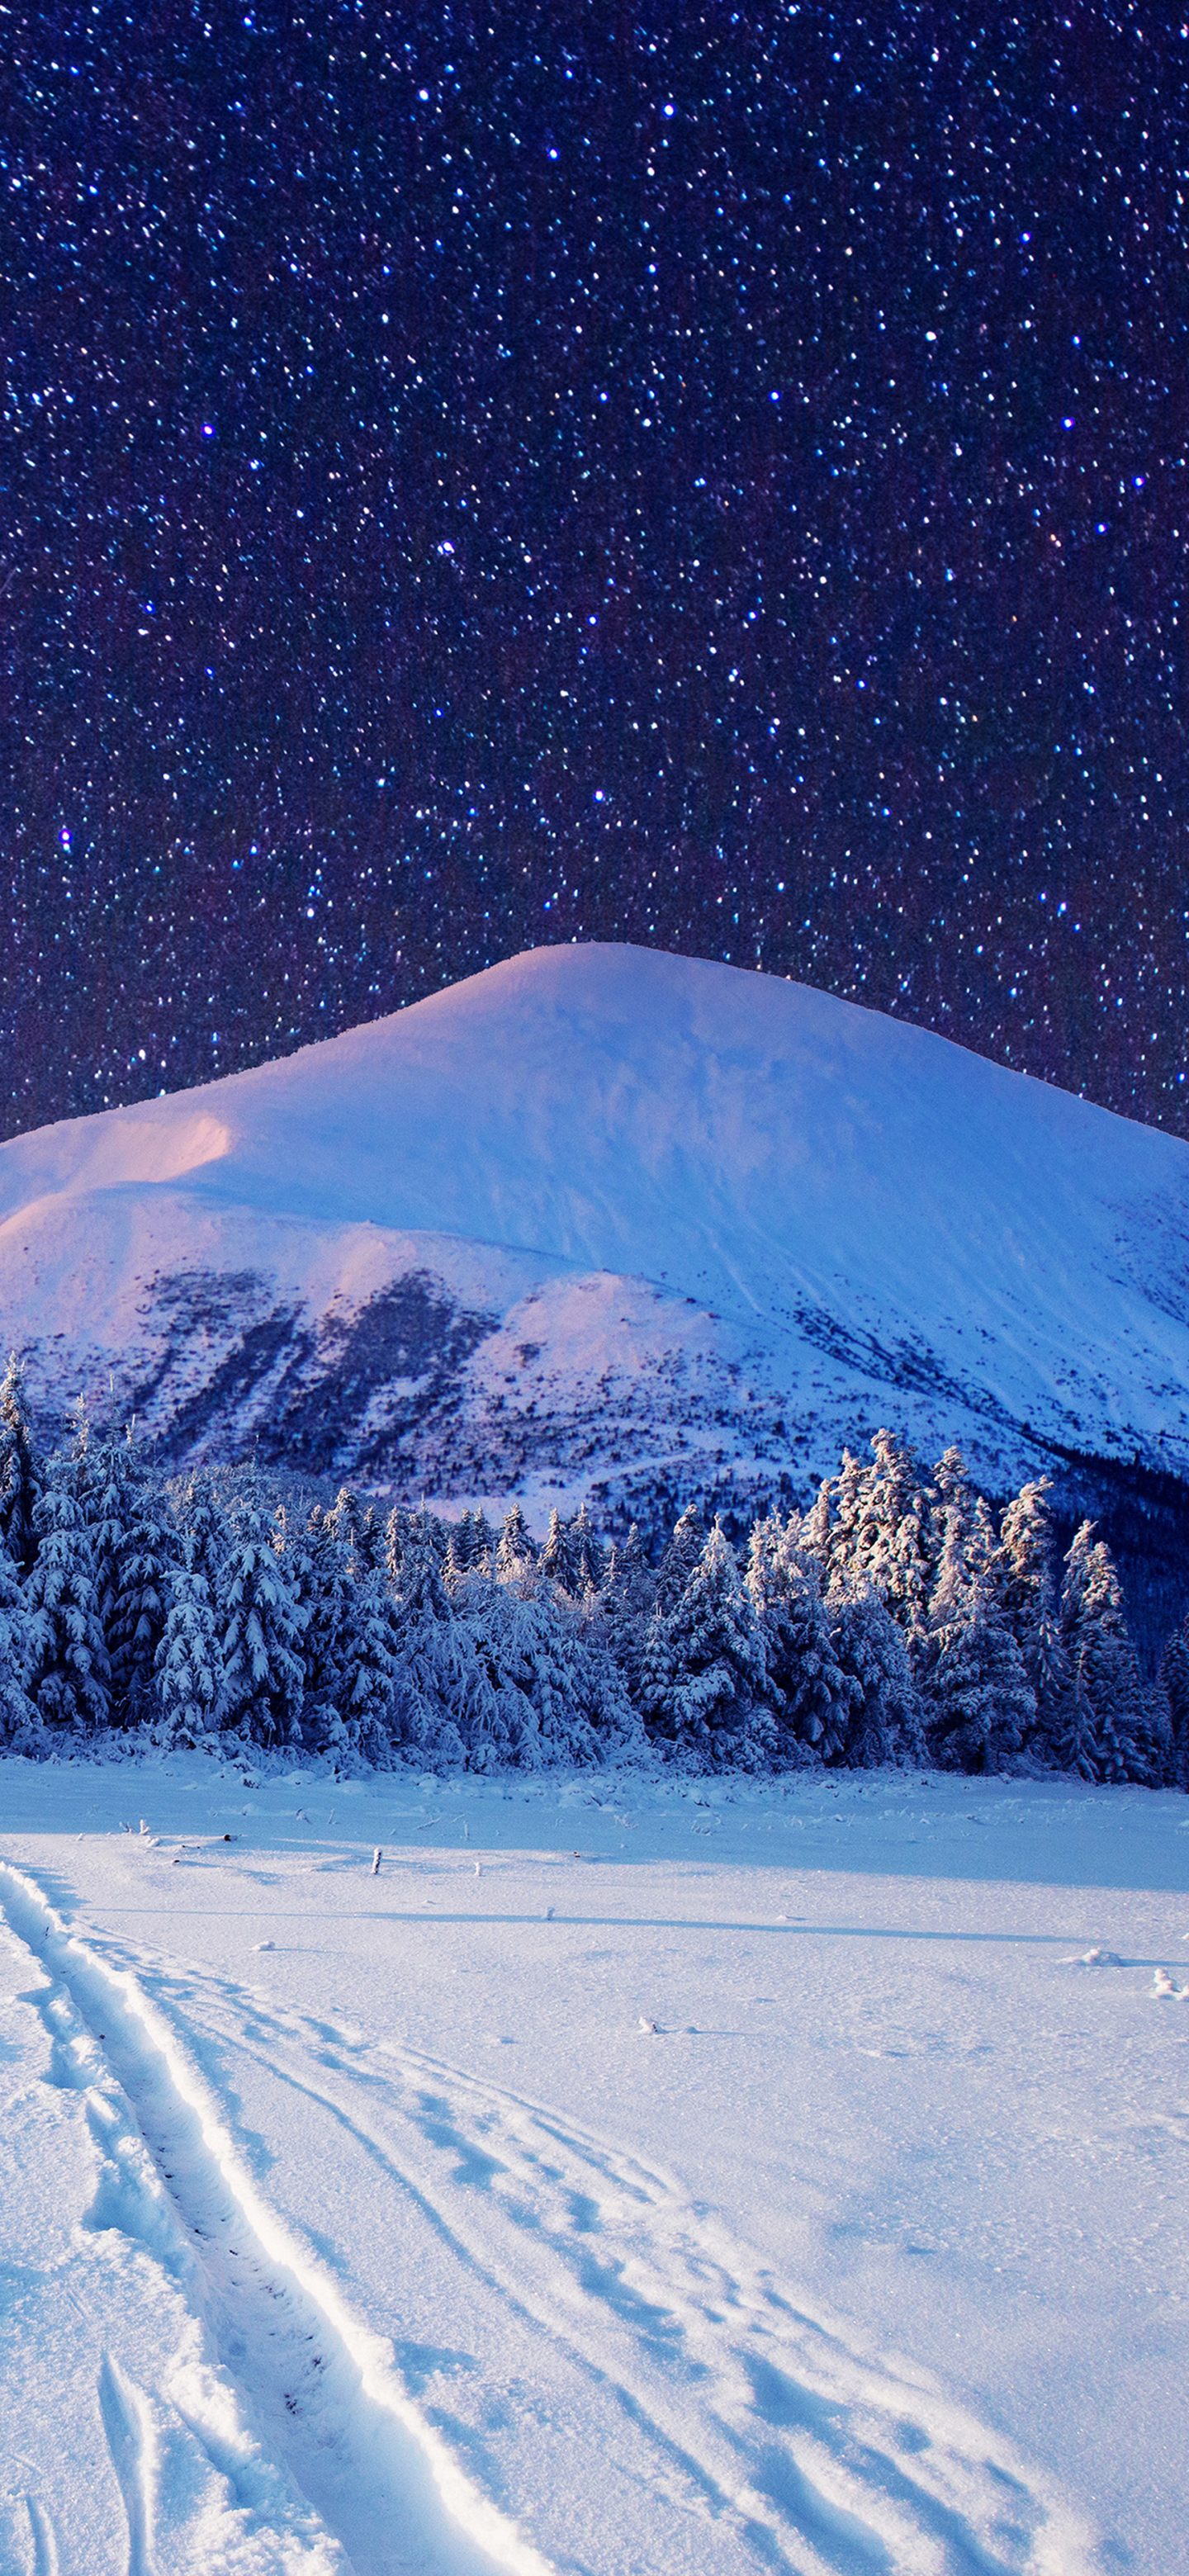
(604, 1220)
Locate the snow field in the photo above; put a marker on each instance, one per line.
(393, 2240)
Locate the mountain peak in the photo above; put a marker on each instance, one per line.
(869, 1220)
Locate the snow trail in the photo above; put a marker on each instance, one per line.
(318, 2386)
(128, 2426)
(827, 2458)
(41, 2535)
(761, 2428)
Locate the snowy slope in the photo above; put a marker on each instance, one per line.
(604, 1215)
(761, 2177)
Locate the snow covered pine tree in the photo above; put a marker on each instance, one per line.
(703, 1676)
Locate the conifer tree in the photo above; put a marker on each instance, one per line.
(445, 1702)
(703, 1680)
(351, 1674)
(1079, 1748)
(1156, 1737)
(480, 1540)
(982, 1544)
(199, 1515)
(367, 1533)
(846, 1505)
(1174, 1673)
(814, 1536)
(629, 1583)
(397, 1534)
(888, 1546)
(1109, 1734)
(681, 1559)
(421, 1532)
(365, 1719)
(22, 1471)
(1023, 1564)
(469, 1560)
(558, 1561)
(21, 1729)
(1052, 1681)
(589, 1555)
(560, 1694)
(1074, 1584)
(952, 1511)
(1022, 1573)
(515, 1555)
(201, 1546)
(350, 1527)
(103, 1472)
(980, 1706)
(263, 1624)
(806, 1685)
(69, 1674)
(143, 1567)
(626, 1603)
(190, 1671)
(458, 1557)
(883, 1720)
(348, 1642)
(324, 1579)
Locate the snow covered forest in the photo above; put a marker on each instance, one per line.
(898, 1621)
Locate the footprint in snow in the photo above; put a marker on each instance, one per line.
(1095, 1959)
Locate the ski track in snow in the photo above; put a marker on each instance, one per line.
(128, 2427)
(44, 2546)
(315, 2386)
(771, 2438)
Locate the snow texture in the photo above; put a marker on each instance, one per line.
(708, 2175)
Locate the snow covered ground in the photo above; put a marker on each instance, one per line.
(627, 2176)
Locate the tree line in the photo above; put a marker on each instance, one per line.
(897, 1621)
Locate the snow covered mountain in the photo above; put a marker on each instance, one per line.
(612, 1221)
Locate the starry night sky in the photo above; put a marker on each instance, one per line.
(474, 477)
